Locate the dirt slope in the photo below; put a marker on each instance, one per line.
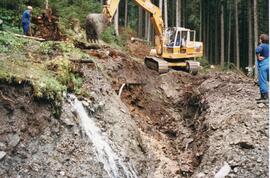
(238, 127)
(170, 125)
(193, 123)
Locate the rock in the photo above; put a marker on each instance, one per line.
(62, 173)
(14, 140)
(85, 103)
(260, 105)
(2, 154)
(200, 175)
(2, 146)
(224, 171)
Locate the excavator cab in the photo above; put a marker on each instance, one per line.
(180, 40)
(178, 50)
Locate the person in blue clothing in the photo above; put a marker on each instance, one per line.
(26, 17)
(262, 53)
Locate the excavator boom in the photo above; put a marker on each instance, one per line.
(109, 10)
(172, 47)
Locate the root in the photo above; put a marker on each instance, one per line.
(6, 98)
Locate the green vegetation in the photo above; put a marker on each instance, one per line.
(68, 10)
(44, 65)
(109, 36)
(204, 62)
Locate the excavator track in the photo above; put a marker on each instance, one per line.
(193, 67)
(156, 64)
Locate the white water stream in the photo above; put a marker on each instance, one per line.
(113, 164)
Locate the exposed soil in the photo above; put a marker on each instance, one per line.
(176, 110)
(46, 26)
(169, 125)
(138, 49)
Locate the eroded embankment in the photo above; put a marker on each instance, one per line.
(170, 125)
(166, 108)
(180, 117)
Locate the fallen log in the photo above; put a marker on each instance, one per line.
(29, 37)
(133, 39)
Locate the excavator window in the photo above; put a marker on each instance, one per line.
(184, 35)
(178, 39)
(170, 37)
(192, 35)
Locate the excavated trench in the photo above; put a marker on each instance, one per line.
(165, 107)
(183, 130)
(190, 124)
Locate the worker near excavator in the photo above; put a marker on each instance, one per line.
(262, 54)
(26, 17)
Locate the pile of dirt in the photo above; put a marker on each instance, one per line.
(138, 49)
(46, 26)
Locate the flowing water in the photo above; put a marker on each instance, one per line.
(113, 163)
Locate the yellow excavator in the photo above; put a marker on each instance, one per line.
(175, 47)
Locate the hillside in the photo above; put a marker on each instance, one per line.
(169, 125)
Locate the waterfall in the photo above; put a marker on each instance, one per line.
(113, 163)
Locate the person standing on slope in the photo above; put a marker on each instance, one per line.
(262, 53)
(26, 20)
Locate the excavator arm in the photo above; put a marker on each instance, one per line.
(111, 6)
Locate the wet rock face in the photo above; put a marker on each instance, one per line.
(34, 143)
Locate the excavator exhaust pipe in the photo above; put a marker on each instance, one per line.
(94, 25)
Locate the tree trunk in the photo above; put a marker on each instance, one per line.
(178, 13)
(236, 34)
(145, 24)
(184, 13)
(140, 23)
(148, 28)
(161, 7)
(116, 22)
(216, 41)
(255, 33)
(207, 33)
(126, 13)
(250, 44)
(222, 35)
(229, 34)
(200, 37)
(166, 13)
(47, 4)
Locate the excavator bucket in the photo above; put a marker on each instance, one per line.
(94, 25)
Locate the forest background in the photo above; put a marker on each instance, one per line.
(229, 29)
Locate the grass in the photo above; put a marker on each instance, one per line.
(46, 66)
